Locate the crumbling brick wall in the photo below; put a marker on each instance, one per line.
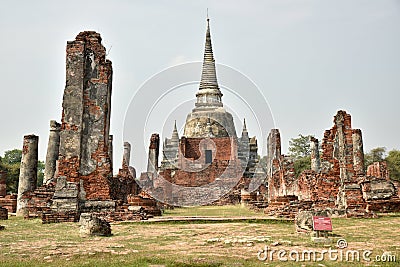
(341, 167)
(222, 174)
(154, 150)
(9, 202)
(378, 170)
(339, 182)
(84, 157)
(39, 201)
(3, 213)
(280, 169)
(192, 167)
(124, 183)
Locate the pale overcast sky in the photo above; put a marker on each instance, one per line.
(309, 58)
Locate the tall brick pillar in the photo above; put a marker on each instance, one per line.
(315, 159)
(3, 185)
(53, 147)
(273, 148)
(127, 154)
(110, 148)
(154, 147)
(84, 161)
(28, 171)
(358, 152)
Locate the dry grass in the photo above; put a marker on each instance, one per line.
(29, 243)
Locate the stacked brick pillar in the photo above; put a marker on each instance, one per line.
(53, 147)
(28, 172)
(84, 163)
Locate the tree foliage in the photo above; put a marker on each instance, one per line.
(374, 155)
(393, 162)
(300, 147)
(12, 157)
(302, 164)
(11, 163)
(300, 151)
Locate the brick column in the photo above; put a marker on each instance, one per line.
(28, 171)
(127, 154)
(152, 164)
(315, 159)
(358, 152)
(52, 151)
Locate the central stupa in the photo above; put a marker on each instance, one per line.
(209, 118)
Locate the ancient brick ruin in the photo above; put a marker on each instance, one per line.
(53, 147)
(3, 192)
(3, 213)
(28, 171)
(78, 171)
(208, 164)
(209, 158)
(336, 181)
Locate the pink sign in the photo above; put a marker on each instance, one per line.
(322, 223)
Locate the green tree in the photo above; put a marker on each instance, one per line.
(302, 164)
(374, 155)
(12, 156)
(300, 147)
(300, 151)
(393, 162)
(11, 163)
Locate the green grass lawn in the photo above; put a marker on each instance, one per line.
(216, 211)
(30, 243)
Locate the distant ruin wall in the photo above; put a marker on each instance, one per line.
(338, 183)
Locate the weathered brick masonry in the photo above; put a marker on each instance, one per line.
(3, 213)
(84, 136)
(79, 172)
(28, 171)
(337, 180)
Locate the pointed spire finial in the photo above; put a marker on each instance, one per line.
(209, 95)
(245, 134)
(175, 135)
(208, 75)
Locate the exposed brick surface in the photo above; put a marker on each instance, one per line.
(60, 217)
(339, 183)
(280, 169)
(85, 143)
(145, 201)
(193, 170)
(9, 202)
(3, 213)
(39, 201)
(378, 170)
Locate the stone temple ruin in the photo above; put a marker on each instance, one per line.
(79, 170)
(209, 159)
(337, 180)
(209, 164)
